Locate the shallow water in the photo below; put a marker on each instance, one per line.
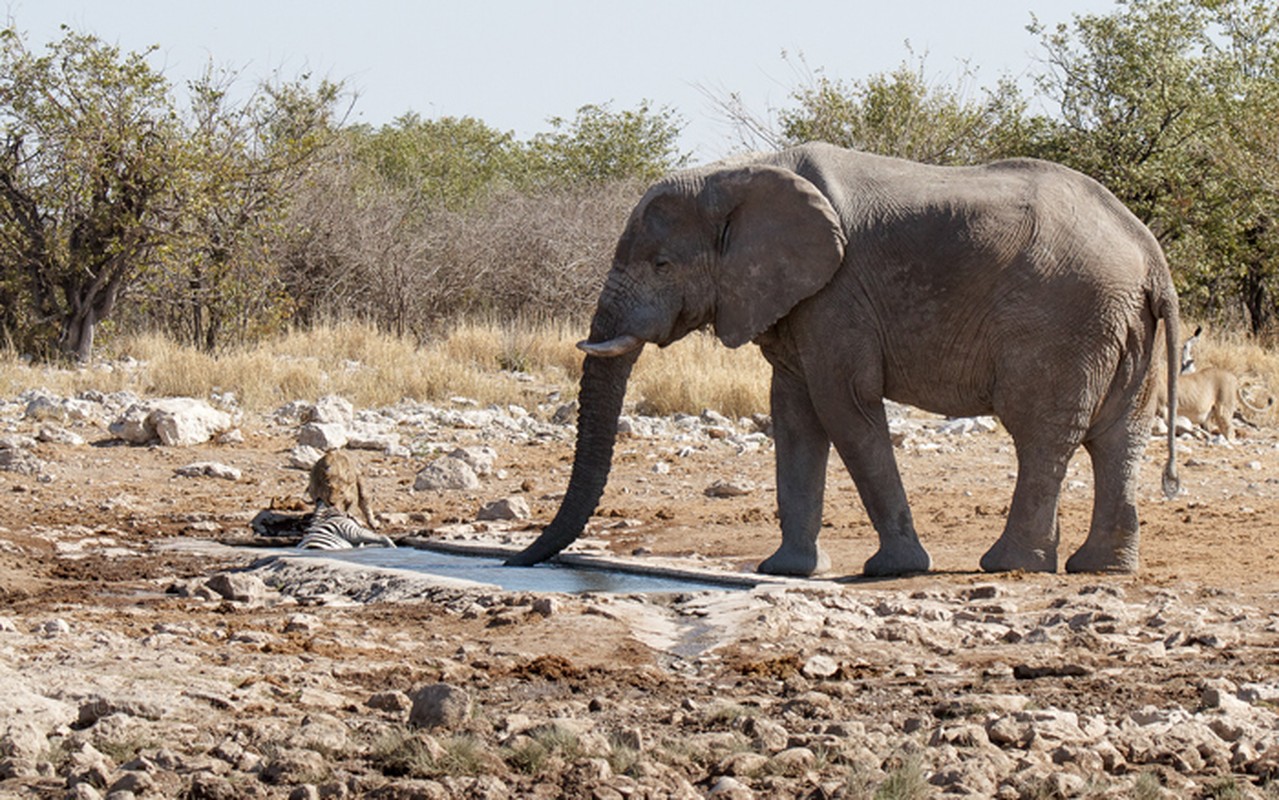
(542, 578)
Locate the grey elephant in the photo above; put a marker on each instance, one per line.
(1020, 288)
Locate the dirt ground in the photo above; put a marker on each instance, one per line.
(1218, 532)
(93, 547)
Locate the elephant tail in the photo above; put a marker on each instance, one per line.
(1167, 311)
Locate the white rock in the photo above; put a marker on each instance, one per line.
(54, 627)
(174, 421)
(446, 473)
(323, 436)
(820, 666)
(735, 488)
(330, 409)
(729, 788)
(238, 586)
(480, 458)
(209, 469)
(363, 436)
(304, 457)
(508, 508)
(233, 436)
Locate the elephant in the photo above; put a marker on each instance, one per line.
(1019, 288)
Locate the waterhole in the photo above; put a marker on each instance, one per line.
(566, 578)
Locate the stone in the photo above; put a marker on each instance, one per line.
(734, 488)
(304, 457)
(209, 469)
(173, 421)
(481, 459)
(133, 782)
(97, 707)
(446, 474)
(363, 437)
(729, 788)
(767, 735)
(54, 627)
(506, 509)
(547, 606)
(794, 760)
(295, 766)
(301, 623)
(820, 666)
(393, 701)
(330, 409)
(238, 587)
(323, 436)
(320, 732)
(53, 434)
(207, 786)
(743, 764)
(439, 705)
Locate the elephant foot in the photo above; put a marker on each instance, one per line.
(1113, 560)
(1005, 557)
(801, 563)
(902, 559)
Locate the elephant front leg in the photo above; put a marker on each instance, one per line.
(867, 451)
(802, 452)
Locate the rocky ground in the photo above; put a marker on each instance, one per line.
(146, 651)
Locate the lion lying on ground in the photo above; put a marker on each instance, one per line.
(1209, 396)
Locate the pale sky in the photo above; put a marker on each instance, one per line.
(516, 64)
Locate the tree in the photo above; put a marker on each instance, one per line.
(901, 114)
(1171, 104)
(89, 153)
(600, 145)
(243, 162)
(449, 162)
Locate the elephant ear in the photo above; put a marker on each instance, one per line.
(780, 241)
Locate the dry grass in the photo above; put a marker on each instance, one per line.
(478, 360)
(484, 361)
(697, 373)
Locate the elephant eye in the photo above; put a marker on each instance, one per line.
(662, 263)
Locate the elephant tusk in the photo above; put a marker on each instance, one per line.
(617, 346)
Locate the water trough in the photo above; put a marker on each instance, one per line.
(571, 574)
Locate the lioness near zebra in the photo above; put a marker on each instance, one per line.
(335, 481)
(336, 488)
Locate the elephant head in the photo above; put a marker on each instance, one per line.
(735, 248)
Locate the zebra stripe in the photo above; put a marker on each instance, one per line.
(330, 529)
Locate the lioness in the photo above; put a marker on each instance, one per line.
(1208, 395)
(335, 480)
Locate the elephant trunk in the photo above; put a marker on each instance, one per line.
(603, 388)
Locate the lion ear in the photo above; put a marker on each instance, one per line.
(780, 241)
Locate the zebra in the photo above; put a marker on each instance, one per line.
(330, 529)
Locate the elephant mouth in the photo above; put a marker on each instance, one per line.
(611, 348)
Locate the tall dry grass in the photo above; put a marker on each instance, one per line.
(483, 361)
(697, 373)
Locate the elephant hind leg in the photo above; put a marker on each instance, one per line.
(1113, 535)
(1031, 534)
